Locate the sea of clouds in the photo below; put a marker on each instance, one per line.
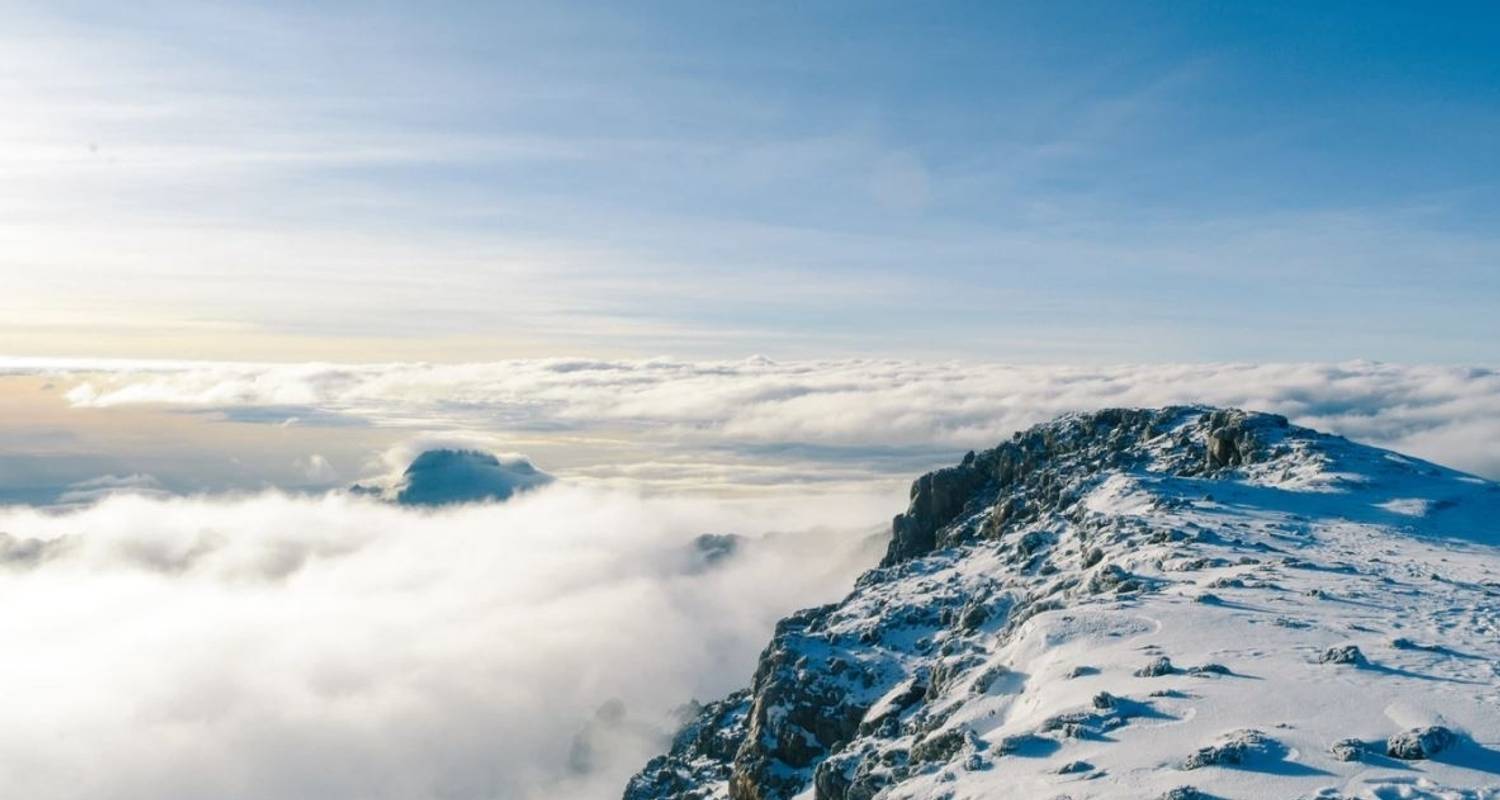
(1449, 414)
(278, 646)
(275, 645)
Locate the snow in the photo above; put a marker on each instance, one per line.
(1254, 574)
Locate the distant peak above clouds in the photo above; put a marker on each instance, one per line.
(447, 477)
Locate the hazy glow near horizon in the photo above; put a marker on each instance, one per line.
(856, 428)
(290, 183)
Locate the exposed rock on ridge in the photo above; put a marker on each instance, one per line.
(1032, 473)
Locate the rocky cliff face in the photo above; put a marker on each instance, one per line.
(1132, 603)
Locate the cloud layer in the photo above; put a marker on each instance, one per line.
(830, 411)
(273, 646)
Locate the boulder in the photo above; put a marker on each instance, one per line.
(1420, 743)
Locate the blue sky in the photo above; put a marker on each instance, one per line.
(1027, 182)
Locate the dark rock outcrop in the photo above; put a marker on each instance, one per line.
(1028, 476)
(1343, 654)
(1347, 750)
(936, 499)
(1233, 750)
(1156, 667)
(700, 755)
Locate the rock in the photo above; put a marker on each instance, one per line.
(1156, 667)
(797, 715)
(1232, 750)
(1234, 437)
(1347, 750)
(700, 755)
(1074, 767)
(945, 673)
(1182, 793)
(1108, 578)
(1018, 480)
(987, 678)
(940, 748)
(1420, 743)
(936, 498)
(1031, 543)
(1343, 654)
(852, 776)
(1403, 643)
(1221, 450)
(972, 617)
(711, 548)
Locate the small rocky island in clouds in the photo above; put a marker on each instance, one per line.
(1175, 603)
(452, 476)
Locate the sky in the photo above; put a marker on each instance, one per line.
(1021, 182)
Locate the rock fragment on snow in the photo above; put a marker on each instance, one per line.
(1343, 654)
(1232, 750)
(1156, 667)
(1347, 750)
(1420, 743)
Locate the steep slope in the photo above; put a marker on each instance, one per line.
(1184, 602)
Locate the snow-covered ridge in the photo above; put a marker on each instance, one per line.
(1180, 602)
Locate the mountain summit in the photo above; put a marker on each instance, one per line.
(1181, 603)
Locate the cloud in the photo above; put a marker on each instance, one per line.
(297, 647)
(833, 411)
(284, 646)
(95, 489)
(317, 469)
